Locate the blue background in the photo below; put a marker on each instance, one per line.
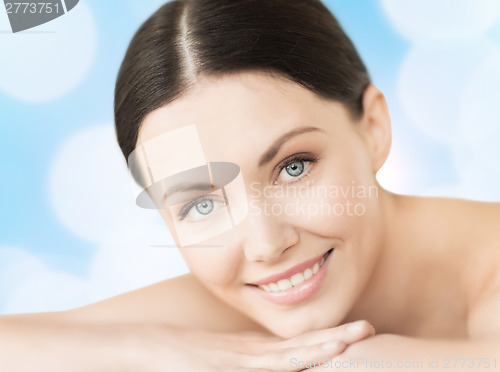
(50, 261)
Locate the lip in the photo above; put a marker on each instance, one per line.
(301, 292)
(291, 271)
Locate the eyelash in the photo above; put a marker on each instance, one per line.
(190, 204)
(305, 158)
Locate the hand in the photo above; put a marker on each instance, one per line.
(382, 351)
(177, 349)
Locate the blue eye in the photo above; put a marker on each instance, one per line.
(200, 208)
(205, 206)
(295, 169)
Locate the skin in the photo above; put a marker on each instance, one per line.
(406, 250)
(267, 244)
(416, 268)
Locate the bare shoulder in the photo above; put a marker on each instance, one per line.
(180, 301)
(467, 236)
(476, 226)
(484, 235)
(468, 219)
(472, 228)
(479, 224)
(481, 214)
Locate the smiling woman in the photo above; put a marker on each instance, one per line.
(253, 127)
(333, 152)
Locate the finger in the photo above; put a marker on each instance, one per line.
(348, 333)
(293, 358)
(245, 342)
(251, 336)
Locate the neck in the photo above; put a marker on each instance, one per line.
(412, 282)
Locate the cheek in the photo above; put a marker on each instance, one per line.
(336, 204)
(216, 266)
(213, 261)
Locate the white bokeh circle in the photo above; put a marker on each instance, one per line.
(435, 21)
(124, 262)
(49, 291)
(431, 81)
(479, 119)
(90, 187)
(28, 285)
(14, 265)
(477, 155)
(396, 174)
(48, 61)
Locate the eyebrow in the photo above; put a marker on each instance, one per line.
(189, 187)
(275, 147)
(264, 159)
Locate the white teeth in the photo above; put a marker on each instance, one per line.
(297, 279)
(294, 280)
(308, 273)
(284, 284)
(273, 287)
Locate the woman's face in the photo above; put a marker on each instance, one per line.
(308, 181)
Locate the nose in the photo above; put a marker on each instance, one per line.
(267, 236)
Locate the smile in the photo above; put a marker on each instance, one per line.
(289, 288)
(295, 279)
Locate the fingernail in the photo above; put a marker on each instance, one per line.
(356, 326)
(331, 345)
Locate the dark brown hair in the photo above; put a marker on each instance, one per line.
(296, 39)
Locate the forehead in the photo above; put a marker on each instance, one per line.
(244, 109)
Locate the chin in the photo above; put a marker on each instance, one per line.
(292, 327)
